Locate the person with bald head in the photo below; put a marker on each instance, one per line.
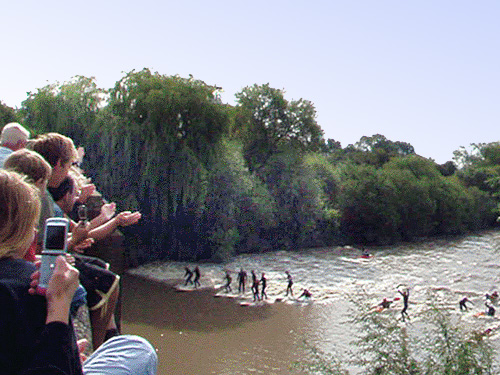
(13, 137)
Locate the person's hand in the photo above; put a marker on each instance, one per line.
(85, 192)
(63, 282)
(80, 232)
(80, 152)
(35, 278)
(83, 345)
(83, 245)
(126, 218)
(108, 210)
(70, 259)
(60, 290)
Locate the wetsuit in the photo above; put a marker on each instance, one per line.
(306, 294)
(462, 303)
(263, 281)
(406, 296)
(255, 286)
(228, 282)
(196, 277)
(188, 275)
(242, 277)
(491, 310)
(385, 303)
(290, 283)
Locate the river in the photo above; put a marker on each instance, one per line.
(196, 333)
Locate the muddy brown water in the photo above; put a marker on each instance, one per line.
(195, 333)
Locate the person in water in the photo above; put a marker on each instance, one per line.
(290, 283)
(385, 304)
(365, 253)
(255, 286)
(306, 294)
(197, 277)
(493, 297)
(490, 310)
(462, 303)
(242, 278)
(406, 295)
(188, 275)
(263, 281)
(228, 278)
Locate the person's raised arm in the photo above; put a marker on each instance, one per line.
(108, 210)
(123, 219)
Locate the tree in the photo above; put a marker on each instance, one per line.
(274, 123)
(69, 108)
(367, 206)
(7, 114)
(171, 109)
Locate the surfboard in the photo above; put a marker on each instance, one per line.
(184, 288)
(226, 295)
(252, 303)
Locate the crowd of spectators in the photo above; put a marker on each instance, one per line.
(39, 179)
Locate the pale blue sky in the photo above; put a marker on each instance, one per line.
(425, 72)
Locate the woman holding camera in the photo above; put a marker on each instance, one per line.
(36, 334)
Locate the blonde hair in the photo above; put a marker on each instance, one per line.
(54, 147)
(19, 212)
(29, 163)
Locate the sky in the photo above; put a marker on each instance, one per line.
(425, 72)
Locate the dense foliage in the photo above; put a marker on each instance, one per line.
(213, 179)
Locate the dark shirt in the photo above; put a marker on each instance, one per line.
(27, 344)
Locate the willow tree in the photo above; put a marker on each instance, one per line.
(154, 150)
(69, 108)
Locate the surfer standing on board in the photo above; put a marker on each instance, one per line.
(228, 278)
(255, 286)
(290, 283)
(405, 293)
(263, 281)
(197, 277)
(188, 275)
(242, 277)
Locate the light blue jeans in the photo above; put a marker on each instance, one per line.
(122, 355)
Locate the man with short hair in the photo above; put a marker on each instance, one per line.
(60, 153)
(14, 137)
